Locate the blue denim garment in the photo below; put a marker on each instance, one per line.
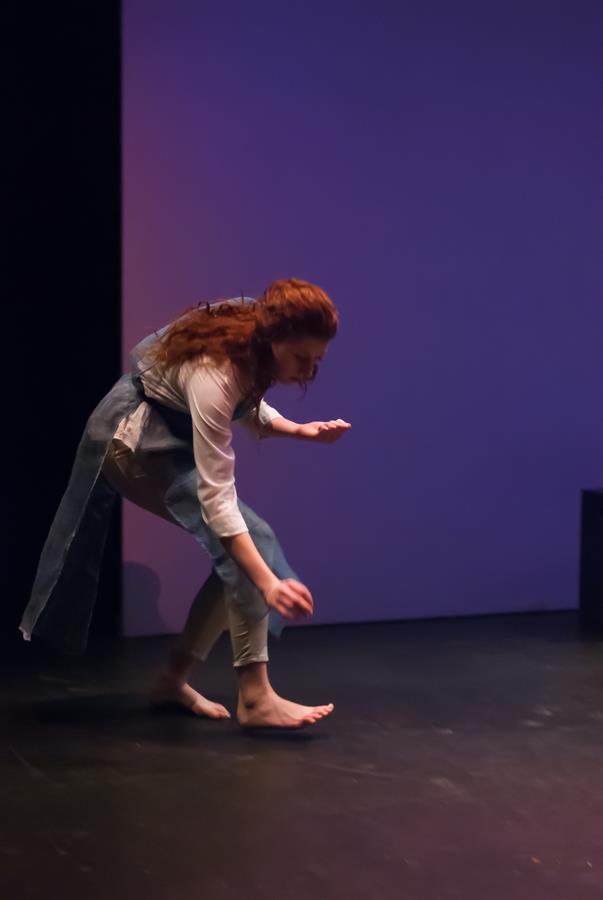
(66, 583)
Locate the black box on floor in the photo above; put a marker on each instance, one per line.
(591, 561)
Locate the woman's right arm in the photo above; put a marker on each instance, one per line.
(211, 397)
(289, 597)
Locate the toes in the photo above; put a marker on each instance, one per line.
(312, 718)
(212, 712)
(320, 712)
(323, 710)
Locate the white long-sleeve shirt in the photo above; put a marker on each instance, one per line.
(210, 392)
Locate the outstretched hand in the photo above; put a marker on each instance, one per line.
(323, 432)
(290, 598)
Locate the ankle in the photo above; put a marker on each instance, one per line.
(253, 682)
(179, 667)
(251, 695)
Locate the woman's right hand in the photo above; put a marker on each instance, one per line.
(290, 598)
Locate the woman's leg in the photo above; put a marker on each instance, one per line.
(206, 621)
(258, 703)
(144, 482)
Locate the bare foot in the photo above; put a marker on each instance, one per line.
(169, 693)
(268, 710)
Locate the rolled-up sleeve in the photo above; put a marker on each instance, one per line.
(267, 413)
(265, 416)
(211, 394)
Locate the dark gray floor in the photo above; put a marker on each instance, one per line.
(464, 760)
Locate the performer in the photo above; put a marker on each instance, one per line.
(162, 439)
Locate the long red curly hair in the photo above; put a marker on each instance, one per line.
(244, 331)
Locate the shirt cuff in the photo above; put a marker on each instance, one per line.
(227, 525)
(267, 413)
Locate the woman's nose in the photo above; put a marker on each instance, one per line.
(308, 373)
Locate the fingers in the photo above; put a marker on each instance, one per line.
(331, 431)
(298, 603)
(334, 423)
(292, 599)
(299, 588)
(290, 609)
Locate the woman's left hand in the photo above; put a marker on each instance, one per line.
(323, 432)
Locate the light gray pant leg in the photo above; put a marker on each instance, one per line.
(212, 612)
(206, 620)
(143, 481)
(249, 639)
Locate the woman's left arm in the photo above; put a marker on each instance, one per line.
(272, 424)
(319, 432)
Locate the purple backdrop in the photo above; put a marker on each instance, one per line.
(437, 168)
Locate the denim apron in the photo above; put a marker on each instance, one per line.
(66, 582)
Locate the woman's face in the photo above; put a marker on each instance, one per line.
(297, 360)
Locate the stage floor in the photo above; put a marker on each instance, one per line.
(463, 760)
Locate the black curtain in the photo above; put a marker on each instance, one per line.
(61, 271)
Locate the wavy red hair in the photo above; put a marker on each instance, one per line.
(243, 332)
